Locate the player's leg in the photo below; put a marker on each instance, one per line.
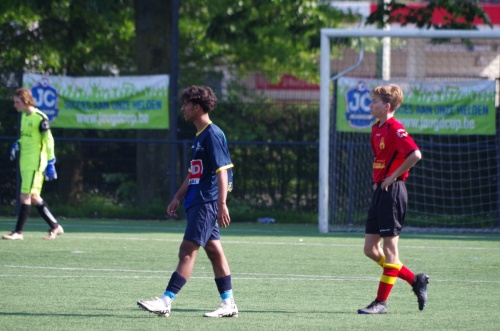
(222, 274)
(193, 238)
(29, 184)
(187, 256)
(220, 266)
(418, 282)
(372, 248)
(44, 211)
(162, 305)
(22, 218)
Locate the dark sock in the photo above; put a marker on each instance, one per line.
(24, 214)
(44, 211)
(176, 283)
(224, 284)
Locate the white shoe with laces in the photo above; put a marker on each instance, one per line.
(155, 306)
(224, 310)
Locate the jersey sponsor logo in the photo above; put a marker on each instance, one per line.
(46, 98)
(402, 133)
(358, 113)
(378, 165)
(196, 171)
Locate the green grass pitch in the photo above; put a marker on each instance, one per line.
(285, 277)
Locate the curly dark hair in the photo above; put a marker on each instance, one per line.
(201, 95)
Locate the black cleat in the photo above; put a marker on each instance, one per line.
(420, 289)
(376, 307)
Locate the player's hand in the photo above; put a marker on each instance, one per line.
(50, 172)
(13, 150)
(172, 207)
(223, 216)
(386, 183)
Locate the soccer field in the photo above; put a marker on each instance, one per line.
(285, 277)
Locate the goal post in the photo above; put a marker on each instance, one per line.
(325, 205)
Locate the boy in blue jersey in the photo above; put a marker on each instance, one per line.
(36, 161)
(204, 191)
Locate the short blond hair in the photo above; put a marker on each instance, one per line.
(391, 94)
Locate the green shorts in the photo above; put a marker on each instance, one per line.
(31, 182)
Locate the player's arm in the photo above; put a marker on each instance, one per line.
(179, 195)
(410, 161)
(48, 141)
(222, 185)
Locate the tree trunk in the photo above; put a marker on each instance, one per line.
(153, 24)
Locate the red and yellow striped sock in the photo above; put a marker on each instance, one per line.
(387, 280)
(406, 274)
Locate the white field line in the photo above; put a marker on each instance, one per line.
(277, 243)
(264, 229)
(139, 274)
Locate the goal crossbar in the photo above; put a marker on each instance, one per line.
(325, 80)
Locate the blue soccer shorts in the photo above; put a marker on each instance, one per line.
(202, 223)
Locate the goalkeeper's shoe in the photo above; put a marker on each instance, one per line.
(224, 310)
(376, 307)
(420, 289)
(53, 233)
(156, 306)
(13, 236)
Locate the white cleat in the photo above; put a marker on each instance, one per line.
(54, 233)
(155, 306)
(229, 310)
(13, 236)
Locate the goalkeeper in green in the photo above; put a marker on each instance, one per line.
(36, 161)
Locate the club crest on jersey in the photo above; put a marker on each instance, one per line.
(402, 133)
(358, 113)
(382, 143)
(46, 98)
(196, 171)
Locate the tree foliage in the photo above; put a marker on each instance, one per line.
(271, 36)
(73, 37)
(79, 37)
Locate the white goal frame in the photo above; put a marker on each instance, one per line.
(326, 79)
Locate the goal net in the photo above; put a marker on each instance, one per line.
(450, 82)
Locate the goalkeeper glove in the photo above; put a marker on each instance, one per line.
(13, 150)
(50, 172)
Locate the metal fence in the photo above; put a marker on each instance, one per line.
(273, 145)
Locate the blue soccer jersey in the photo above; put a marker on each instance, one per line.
(210, 155)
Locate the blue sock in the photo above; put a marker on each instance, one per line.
(168, 297)
(169, 294)
(226, 296)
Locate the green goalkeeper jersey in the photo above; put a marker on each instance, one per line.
(36, 142)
